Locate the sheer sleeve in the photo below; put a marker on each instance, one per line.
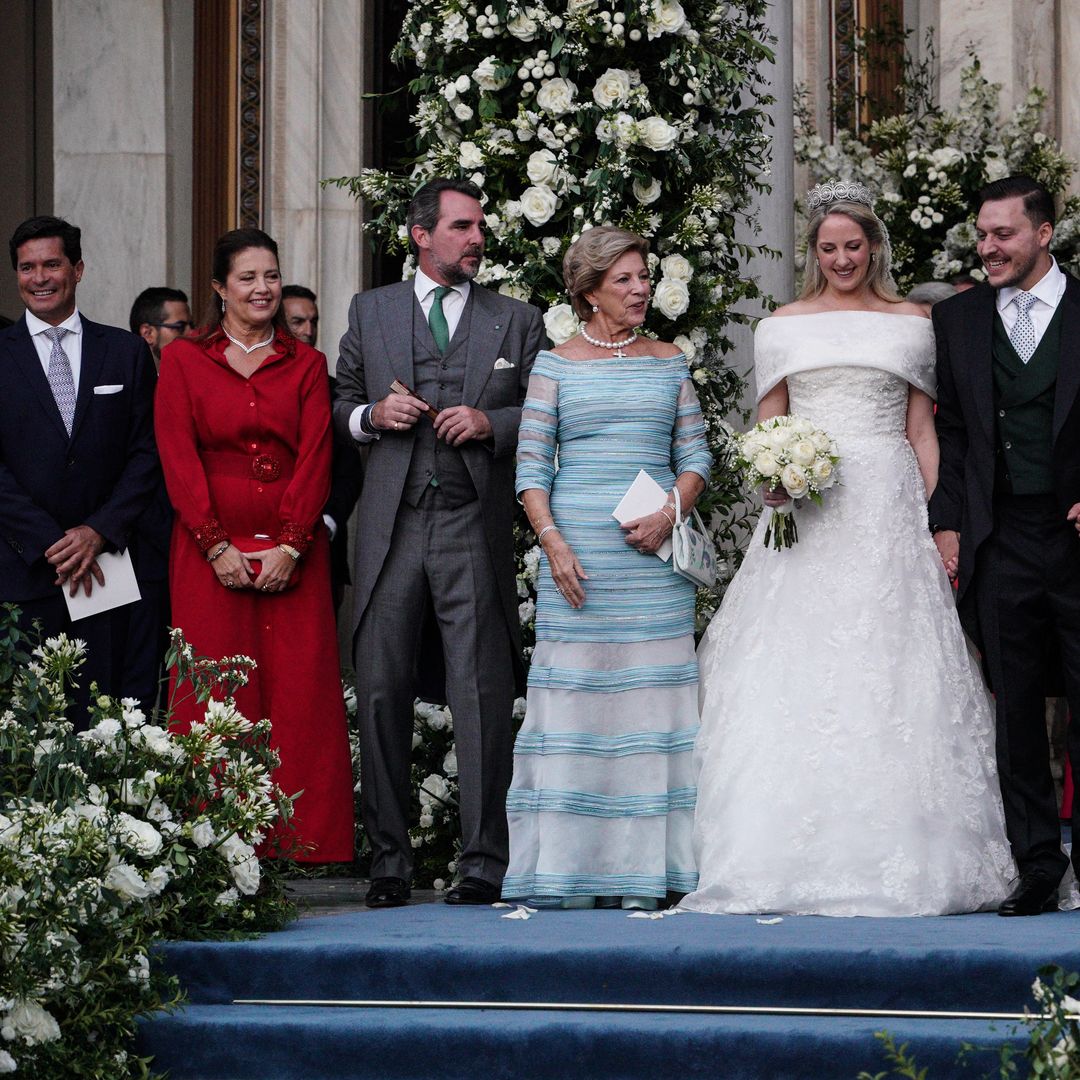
(689, 446)
(537, 434)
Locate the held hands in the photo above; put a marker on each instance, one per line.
(948, 545)
(566, 571)
(277, 568)
(774, 499)
(397, 412)
(233, 569)
(74, 556)
(646, 534)
(460, 423)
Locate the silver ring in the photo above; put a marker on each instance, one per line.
(230, 585)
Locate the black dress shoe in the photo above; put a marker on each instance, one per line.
(387, 892)
(1036, 893)
(473, 890)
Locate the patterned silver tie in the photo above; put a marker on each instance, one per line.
(60, 380)
(1022, 335)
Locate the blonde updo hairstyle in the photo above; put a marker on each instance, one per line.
(591, 256)
(878, 277)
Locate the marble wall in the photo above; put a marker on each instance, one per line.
(113, 159)
(313, 108)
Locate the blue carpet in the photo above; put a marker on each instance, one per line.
(978, 963)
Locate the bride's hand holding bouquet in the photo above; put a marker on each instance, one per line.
(792, 460)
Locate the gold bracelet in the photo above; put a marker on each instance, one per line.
(290, 551)
(220, 551)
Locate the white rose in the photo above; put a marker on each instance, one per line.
(141, 835)
(666, 17)
(556, 96)
(485, 75)
(7, 1062)
(157, 879)
(105, 731)
(526, 611)
(777, 438)
(515, 290)
(202, 835)
(434, 791)
(612, 88)
(551, 245)
(126, 881)
(795, 481)
(803, 452)
(823, 474)
(657, 133)
(538, 203)
(677, 267)
(469, 155)
(996, 168)
(672, 297)
(450, 763)
(821, 442)
(685, 346)
(243, 864)
(229, 898)
(32, 1023)
(463, 84)
(541, 167)
(462, 111)
(647, 193)
(522, 27)
(561, 323)
(766, 464)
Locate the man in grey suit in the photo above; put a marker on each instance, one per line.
(436, 530)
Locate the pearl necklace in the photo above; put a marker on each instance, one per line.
(618, 346)
(244, 348)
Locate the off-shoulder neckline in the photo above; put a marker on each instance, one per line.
(607, 359)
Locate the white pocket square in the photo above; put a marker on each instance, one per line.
(502, 364)
(109, 388)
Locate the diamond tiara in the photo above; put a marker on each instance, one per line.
(838, 191)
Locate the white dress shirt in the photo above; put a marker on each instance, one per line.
(71, 342)
(453, 306)
(1048, 292)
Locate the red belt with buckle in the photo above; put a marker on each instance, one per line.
(266, 468)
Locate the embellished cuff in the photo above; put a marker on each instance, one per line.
(295, 536)
(208, 534)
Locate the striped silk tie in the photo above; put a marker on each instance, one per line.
(59, 375)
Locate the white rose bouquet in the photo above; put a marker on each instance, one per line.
(790, 453)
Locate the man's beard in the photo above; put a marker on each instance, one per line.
(1019, 270)
(456, 273)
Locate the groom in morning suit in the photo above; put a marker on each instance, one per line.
(78, 464)
(1006, 511)
(435, 531)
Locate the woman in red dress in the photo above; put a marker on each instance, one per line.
(242, 416)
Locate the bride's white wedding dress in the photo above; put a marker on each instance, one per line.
(846, 752)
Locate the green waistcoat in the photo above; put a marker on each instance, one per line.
(1024, 410)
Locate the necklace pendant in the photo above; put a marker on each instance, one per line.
(619, 354)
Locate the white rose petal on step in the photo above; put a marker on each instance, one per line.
(538, 203)
(647, 193)
(657, 133)
(612, 88)
(556, 96)
(676, 267)
(561, 323)
(672, 297)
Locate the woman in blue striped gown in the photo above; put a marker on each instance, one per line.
(601, 804)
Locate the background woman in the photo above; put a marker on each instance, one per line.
(602, 797)
(846, 748)
(243, 429)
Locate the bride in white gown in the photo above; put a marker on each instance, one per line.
(846, 752)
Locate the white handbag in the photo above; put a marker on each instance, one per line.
(693, 554)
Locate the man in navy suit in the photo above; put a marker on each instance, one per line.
(78, 464)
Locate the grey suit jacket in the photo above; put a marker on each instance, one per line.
(376, 350)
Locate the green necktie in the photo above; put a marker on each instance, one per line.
(437, 319)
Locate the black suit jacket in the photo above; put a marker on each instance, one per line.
(103, 476)
(964, 497)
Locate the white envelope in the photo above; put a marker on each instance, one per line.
(120, 588)
(644, 496)
(109, 388)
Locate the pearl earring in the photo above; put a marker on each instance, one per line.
(595, 309)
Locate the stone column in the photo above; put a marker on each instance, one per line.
(1067, 97)
(313, 87)
(110, 146)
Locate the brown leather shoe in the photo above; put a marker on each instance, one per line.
(387, 892)
(473, 890)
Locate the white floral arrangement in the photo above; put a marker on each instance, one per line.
(927, 165)
(111, 839)
(574, 113)
(789, 453)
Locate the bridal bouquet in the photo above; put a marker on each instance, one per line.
(790, 453)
